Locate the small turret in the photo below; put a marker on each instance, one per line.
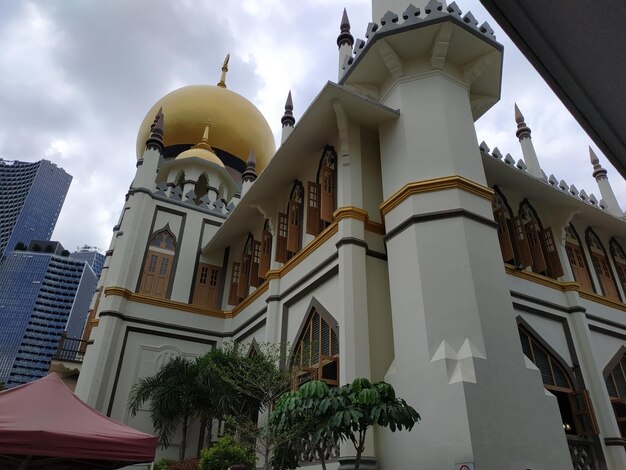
(222, 82)
(148, 164)
(155, 141)
(606, 190)
(528, 150)
(345, 41)
(288, 120)
(249, 176)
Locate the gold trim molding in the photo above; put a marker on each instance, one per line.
(436, 184)
(351, 212)
(602, 300)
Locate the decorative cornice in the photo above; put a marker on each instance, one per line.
(351, 212)
(305, 252)
(563, 286)
(436, 184)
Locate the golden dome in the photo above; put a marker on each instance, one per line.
(237, 126)
(201, 153)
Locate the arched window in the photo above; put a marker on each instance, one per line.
(502, 215)
(577, 259)
(201, 188)
(243, 284)
(574, 405)
(316, 351)
(615, 379)
(322, 194)
(155, 278)
(601, 265)
(266, 250)
(543, 249)
(619, 260)
(289, 239)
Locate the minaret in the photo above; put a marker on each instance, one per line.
(606, 190)
(222, 82)
(249, 176)
(148, 165)
(287, 119)
(528, 151)
(345, 41)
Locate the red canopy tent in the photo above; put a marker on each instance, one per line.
(44, 425)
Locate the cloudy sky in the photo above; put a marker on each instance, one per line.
(78, 77)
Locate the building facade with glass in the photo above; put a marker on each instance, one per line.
(31, 197)
(92, 256)
(42, 295)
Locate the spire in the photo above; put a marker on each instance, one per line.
(250, 173)
(288, 119)
(204, 143)
(523, 131)
(598, 171)
(222, 82)
(155, 141)
(344, 36)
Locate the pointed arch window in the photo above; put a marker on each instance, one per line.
(266, 250)
(619, 260)
(574, 405)
(316, 352)
(233, 298)
(615, 380)
(577, 259)
(502, 215)
(601, 265)
(155, 278)
(322, 194)
(294, 217)
(243, 282)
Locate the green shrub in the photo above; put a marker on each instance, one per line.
(163, 463)
(224, 453)
(190, 464)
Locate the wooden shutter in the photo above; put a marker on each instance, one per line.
(582, 412)
(328, 370)
(256, 261)
(163, 275)
(266, 253)
(555, 269)
(313, 209)
(539, 262)
(523, 255)
(621, 273)
(603, 270)
(281, 241)
(504, 236)
(579, 267)
(293, 229)
(327, 199)
(205, 289)
(233, 298)
(244, 277)
(149, 273)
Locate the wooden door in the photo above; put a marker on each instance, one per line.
(266, 253)
(281, 242)
(523, 255)
(539, 262)
(551, 253)
(504, 236)
(579, 267)
(327, 199)
(293, 229)
(313, 209)
(603, 270)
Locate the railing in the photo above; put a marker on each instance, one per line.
(583, 455)
(70, 349)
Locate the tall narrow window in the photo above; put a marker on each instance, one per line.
(502, 216)
(158, 262)
(255, 279)
(266, 250)
(533, 228)
(574, 405)
(326, 179)
(523, 254)
(601, 265)
(205, 290)
(577, 259)
(553, 261)
(246, 265)
(615, 379)
(294, 213)
(316, 354)
(281, 242)
(233, 298)
(619, 260)
(313, 209)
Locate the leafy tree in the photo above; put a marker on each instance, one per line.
(170, 395)
(345, 412)
(224, 453)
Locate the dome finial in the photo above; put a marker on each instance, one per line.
(344, 36)
(598, 171)
(222, 82)
(288, 119)
(204, 144)
(523, 131)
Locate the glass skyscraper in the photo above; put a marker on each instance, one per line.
(42, 295)
(31, 196)
(92, 256)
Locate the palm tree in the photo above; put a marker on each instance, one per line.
(171, 395)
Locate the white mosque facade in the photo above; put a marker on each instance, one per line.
(492, 297)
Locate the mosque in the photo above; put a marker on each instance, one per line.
(381, 240)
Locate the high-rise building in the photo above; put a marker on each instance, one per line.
(42, 295)
(31, 197)
(92, 256)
